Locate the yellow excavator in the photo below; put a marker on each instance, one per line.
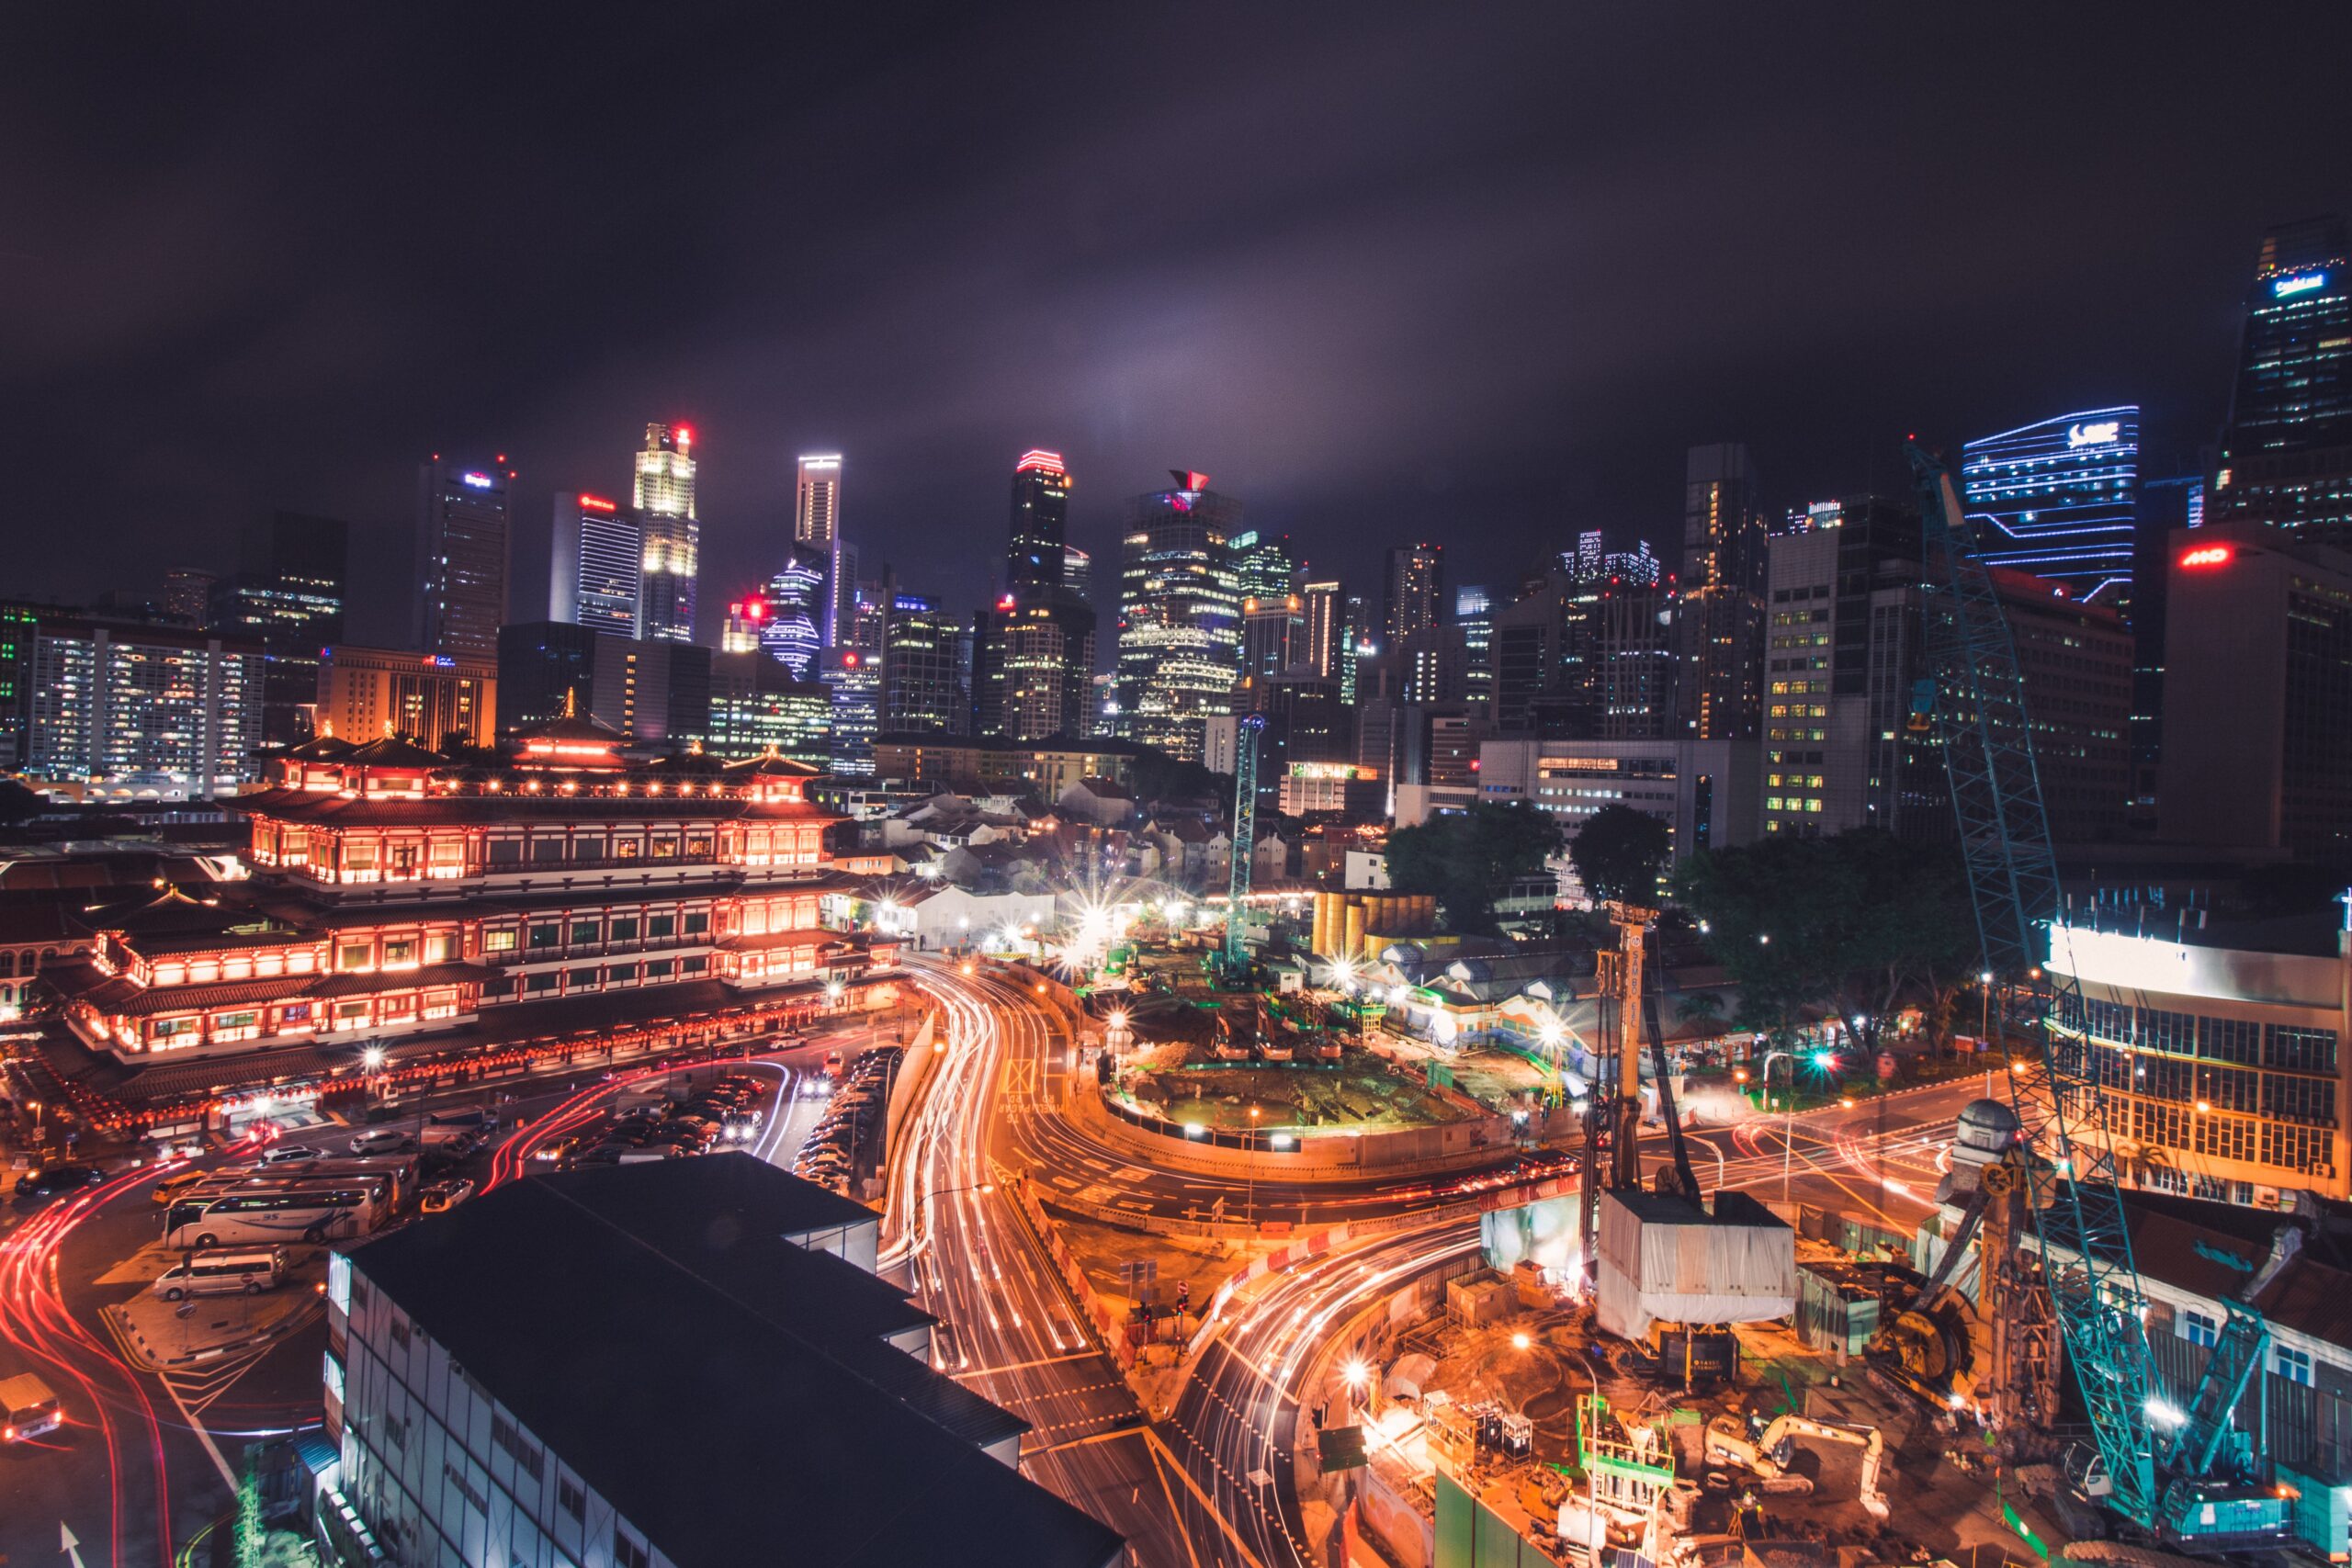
(1766, 1454)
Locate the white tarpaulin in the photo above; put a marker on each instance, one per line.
(1667, 1258)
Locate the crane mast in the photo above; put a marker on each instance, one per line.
(1974, 703)
(1245, 837)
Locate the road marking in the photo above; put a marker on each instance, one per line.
(1193, 1486)
(1040, 1361)
(1110, 1437)
(211, 1447)
(1175, 1513)
(68, 1544)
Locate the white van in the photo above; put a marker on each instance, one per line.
(28, 1408)
(224, 1273)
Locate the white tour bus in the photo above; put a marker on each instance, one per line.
(323, 1211)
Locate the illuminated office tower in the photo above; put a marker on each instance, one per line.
(1265, 565)
(463, 548)
(2286, 456)
(1719, 693)
(593, 571)
(1415, 591)
(1036, 557)
(817, 525)
(1325, 605)
(1273, 634)
(292, 584)
(671, 546)
(796, 607)
(1077, 573)
(1180, 614)
(922, 691)
(855, 678)
(2059, 499)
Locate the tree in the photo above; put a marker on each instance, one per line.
(1858, 925)
(1619, 853)
(1466, 859)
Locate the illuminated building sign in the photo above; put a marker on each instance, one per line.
(478, 479)
(1331, 771)
(1038, 460)
(565, 749)
(596, 504)
(2102, 433)
(439, 662)
(2206, 554)
(2302, 283)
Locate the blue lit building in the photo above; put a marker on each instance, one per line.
(2286, 457)
(2059, 499)
(796, 607)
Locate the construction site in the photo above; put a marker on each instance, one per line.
(1650, 1373)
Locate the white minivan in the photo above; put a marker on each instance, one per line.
(224, 1273)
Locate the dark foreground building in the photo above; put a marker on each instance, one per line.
(686, 1363)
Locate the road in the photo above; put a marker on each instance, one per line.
(146, 1461)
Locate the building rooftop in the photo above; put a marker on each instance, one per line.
(765, 1348)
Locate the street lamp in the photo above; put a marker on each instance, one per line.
(1789, 1118)
(1253, 1168)
(1983, 1007)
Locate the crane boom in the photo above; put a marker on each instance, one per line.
(2013, 885)
(1245, 837)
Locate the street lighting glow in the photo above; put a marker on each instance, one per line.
(372, 1057)
(1356, 1374)
(1519, 1341)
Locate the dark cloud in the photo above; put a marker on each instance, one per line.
(1474, 273)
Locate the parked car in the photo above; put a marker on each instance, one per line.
(382, 1141)
(290, 1153)
(48, 1182)
(445, 1195)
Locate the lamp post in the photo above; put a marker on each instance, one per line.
(1253, 1168)
(1985, 1007)
(1789, 1117)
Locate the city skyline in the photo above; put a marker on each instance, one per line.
(1819, 370)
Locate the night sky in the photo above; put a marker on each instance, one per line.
(1475, 273)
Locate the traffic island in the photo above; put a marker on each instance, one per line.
(169, 1337)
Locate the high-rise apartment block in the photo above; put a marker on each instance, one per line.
(2257, 732)
(464, 549)
(1179, 614)
(129, 712)
(2286, 456)
(1721, 609)
(594, 564)
(2059, 499)
(670, 563)
(1415, 591)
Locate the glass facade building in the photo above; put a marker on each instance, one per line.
(2059, 499)
(670, 541)
(793, 631)
(1180, 615)
(464, 550)
(2286, 456)
(593, 570)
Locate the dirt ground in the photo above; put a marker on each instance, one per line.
(1362, 1091)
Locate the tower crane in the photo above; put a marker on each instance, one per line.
(1235, 959)
(2171, 1471)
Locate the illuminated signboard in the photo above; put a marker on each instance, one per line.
(2093, 435)
(439, 662)
(2206, 554)
(478, 479)
(1329, 770)
(596, 504)
(2302, 283)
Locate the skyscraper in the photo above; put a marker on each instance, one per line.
(1033, 668)
(1416, 590)
(746, 618)
(2286, 454)
(1036, 556)
(922, 692)
(1179, 614)
(463, 550)
(593, 565)
(1077, 573)
(2058, 499)
(1722, 608)
(797, 609)
(1265, 565)
(817, 523)
(1273, 634)
(672, 558)
(292, 580)
(188, 594)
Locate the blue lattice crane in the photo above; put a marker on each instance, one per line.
(2169, 1471)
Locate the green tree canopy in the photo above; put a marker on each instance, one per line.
(1858, 924)
(1619, 853)
(1466, 859)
